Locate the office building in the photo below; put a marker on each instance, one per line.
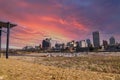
(105, 44)
(46, 44)
(96, 39)
(83, 44)
(112, 41)
(88, 42)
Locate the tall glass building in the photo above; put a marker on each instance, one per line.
(96, 39)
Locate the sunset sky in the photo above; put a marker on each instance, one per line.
(61, 20)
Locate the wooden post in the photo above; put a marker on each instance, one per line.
(7, 44)
(0, 39)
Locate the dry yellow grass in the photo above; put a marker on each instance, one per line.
(12, 69)
(107, 64)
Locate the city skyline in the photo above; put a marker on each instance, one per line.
(59, 19)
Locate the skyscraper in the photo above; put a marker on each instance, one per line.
(112, 41)
(96, 39)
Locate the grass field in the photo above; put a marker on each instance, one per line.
(107, 64)
(91, 67)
